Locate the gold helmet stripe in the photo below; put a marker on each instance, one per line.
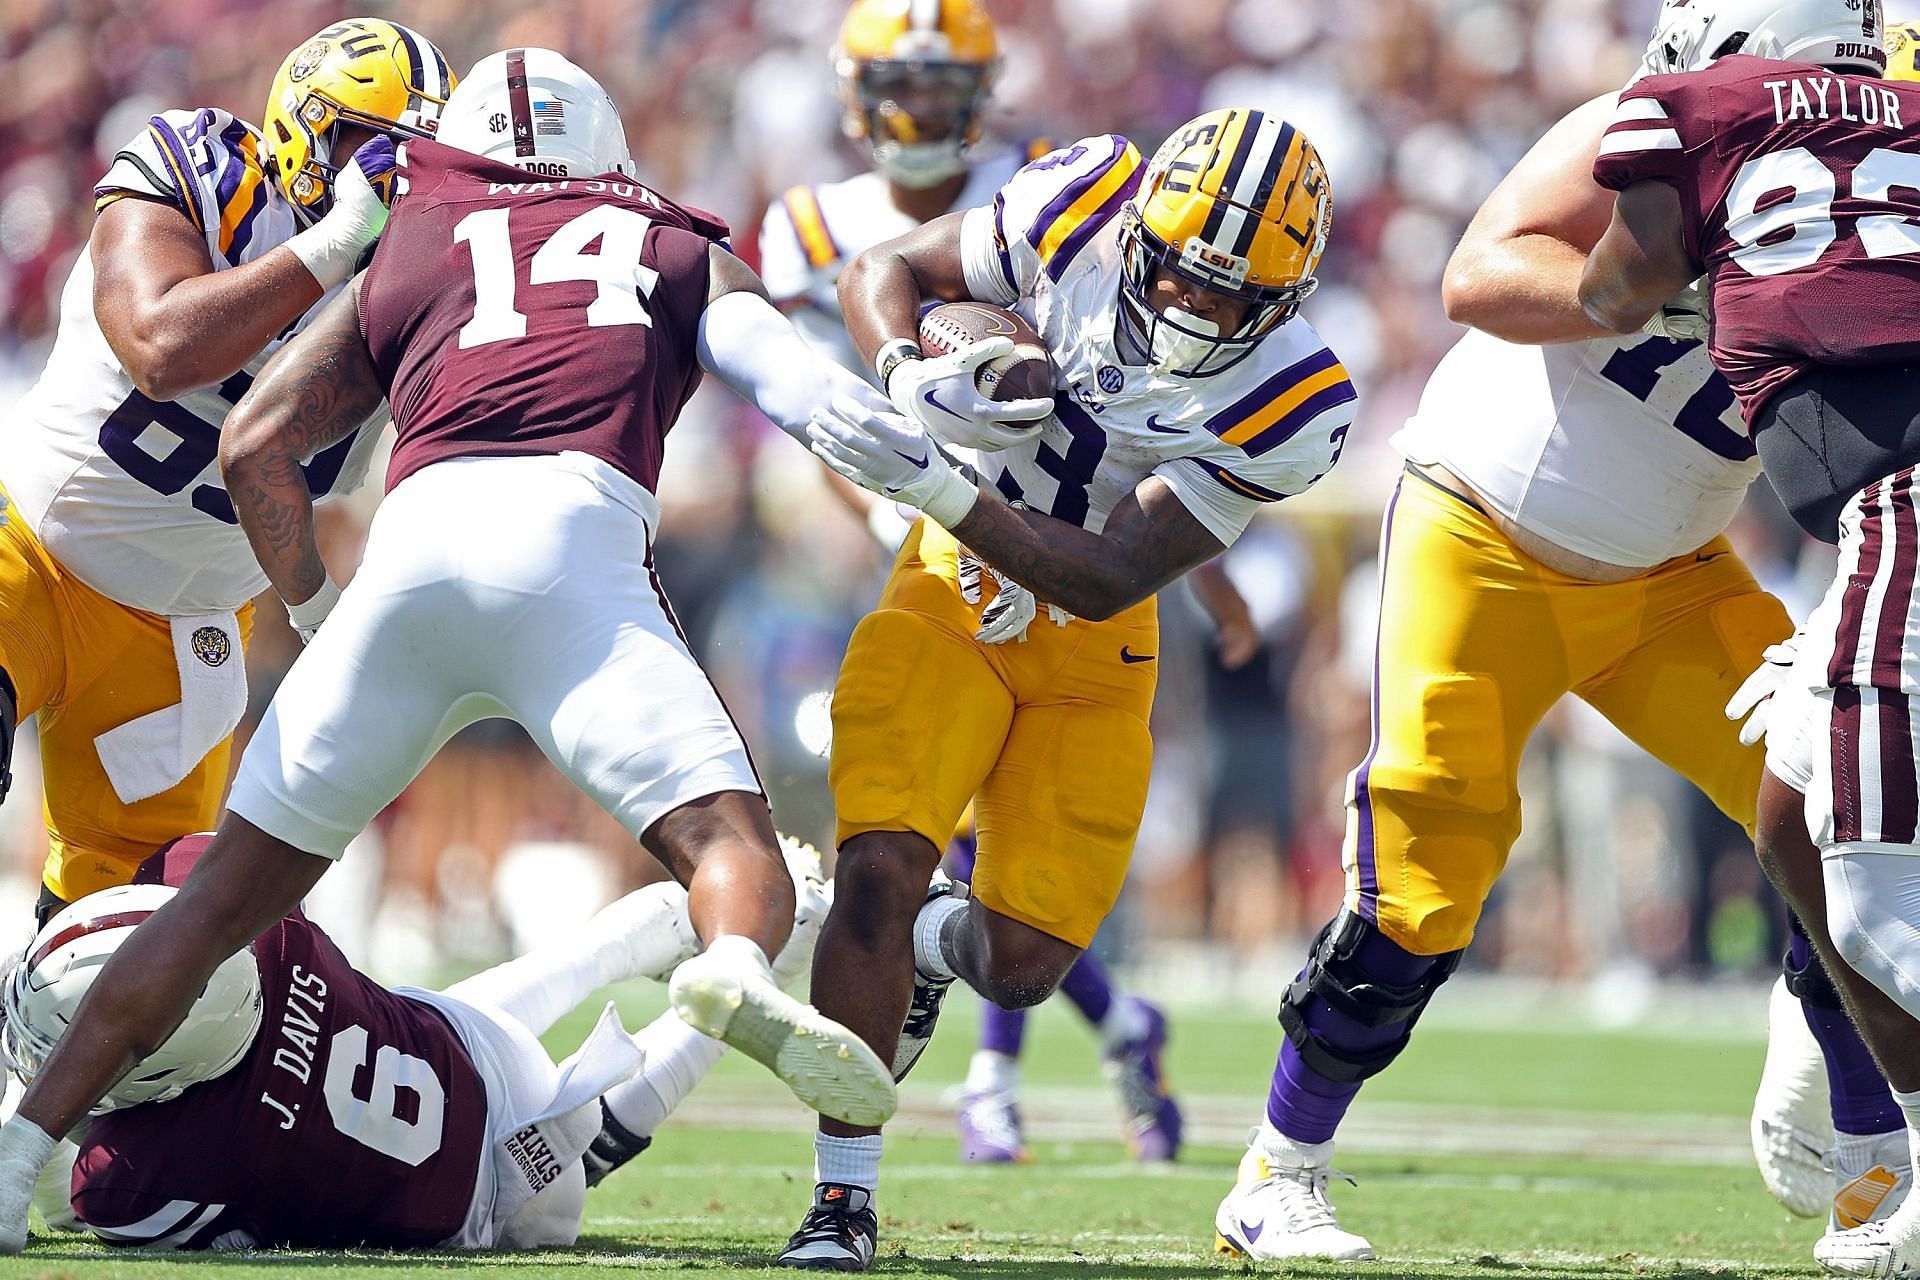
(1248, 185)
(810, 226)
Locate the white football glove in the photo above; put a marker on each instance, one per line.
(891, 456)
(307, 616)
(331, 247)
(1012, 608)
(1686, 316)
(941, 395)
(24, 1152)
(1755, 694)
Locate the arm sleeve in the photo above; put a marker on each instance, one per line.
(763, 359)
(1044, 215)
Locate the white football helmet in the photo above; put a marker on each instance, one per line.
(534, 109)
(1690, 34)
(40, 995)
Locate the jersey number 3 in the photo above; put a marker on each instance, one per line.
(624, 284)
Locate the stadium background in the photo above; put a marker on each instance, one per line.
(1624, 874)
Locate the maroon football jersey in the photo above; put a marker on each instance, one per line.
(1798, 187)
(356, 1118)
(510, 315)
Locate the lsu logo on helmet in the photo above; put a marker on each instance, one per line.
(1903, 51)
(1239, 202)
(913, 77)
(368, 72)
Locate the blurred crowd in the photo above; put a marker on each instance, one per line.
(1418, 106)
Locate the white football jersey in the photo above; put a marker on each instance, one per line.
(1262, 430)
(1626, 450)
(123, 490)
(810, 234)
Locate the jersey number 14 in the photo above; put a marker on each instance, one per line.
(624, 284)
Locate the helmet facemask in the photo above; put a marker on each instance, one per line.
(920, 116)
(1182, 344)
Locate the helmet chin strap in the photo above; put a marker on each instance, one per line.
(1181, 340)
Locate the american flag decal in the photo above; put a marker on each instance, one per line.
(550, 118)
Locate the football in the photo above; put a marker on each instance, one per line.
(1024, 372)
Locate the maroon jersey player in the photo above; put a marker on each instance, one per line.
(537, 318)
(1792, 180)
(297, 1144)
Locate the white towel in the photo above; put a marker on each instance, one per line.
(539, 1147)
(149, 755)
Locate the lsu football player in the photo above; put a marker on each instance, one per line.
(1558, 529)
(915, 78)
(124, 575)
(1188, 396)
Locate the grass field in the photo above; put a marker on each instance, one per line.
(1525, 1148)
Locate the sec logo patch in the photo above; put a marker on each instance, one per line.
(210, 645)
(1110, 378)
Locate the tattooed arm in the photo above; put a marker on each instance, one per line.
(315, 391)
(1149, 540)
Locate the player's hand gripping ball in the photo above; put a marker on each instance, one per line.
(986, 381)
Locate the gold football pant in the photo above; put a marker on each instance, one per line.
(1048, 737)
(88, 664)
(1476, 642)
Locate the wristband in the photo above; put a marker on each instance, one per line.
(313, 611)
(22, 1141)
(892, 355)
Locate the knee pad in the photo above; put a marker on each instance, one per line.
(1337, 978)
(1808, 983)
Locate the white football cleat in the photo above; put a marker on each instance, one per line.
(1792, 1124)
(728, 992)
(1873, 1176)
(1278, 1209)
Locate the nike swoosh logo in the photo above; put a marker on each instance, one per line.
(1252, 1232)
(1153, 424)
(920, 462)
(1140, 657)
(927, 395)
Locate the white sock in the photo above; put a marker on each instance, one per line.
(1853, 1153)
(851, 1162)
(538, 988)
(1909, 1104)
(928, 953)
(737, 948)
(1125, 1021)
(992, 1072)
(678, 1058)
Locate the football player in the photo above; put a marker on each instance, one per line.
(302, 1105)
(1189, 395)
(538, 317)
(1558, 529)
(915, 80)
(1779, 164)
(124, 576)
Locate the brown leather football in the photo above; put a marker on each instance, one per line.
(1025, 372)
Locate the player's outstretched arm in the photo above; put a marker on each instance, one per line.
(751, 346)
(1640, 262)
(1516, 272)
(315, 391)
(174, 322)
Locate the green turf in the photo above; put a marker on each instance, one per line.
(716, 1198)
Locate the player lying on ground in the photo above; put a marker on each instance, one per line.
(506, 573)
(1783, 167)
(1559, 530)
(124, 581)
(915, 81)
(257, 1123)
(1188, 395)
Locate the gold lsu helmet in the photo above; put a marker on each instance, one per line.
(1236, 201)
(913, 77)
(1903, 50)
(359, 71)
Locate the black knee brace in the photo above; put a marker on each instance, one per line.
(1810, 985)
(9, 721)
(1334, 978)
